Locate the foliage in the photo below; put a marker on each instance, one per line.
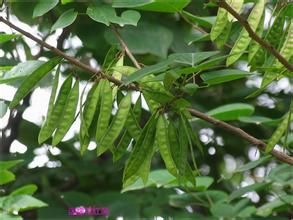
(186, 58)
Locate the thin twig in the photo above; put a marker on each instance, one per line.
(253, 35)
(124, 46)
(72, 60)
(234, 130)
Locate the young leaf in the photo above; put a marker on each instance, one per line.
(106, 14)
(222, 76)
(43, 6)
(152, 5)
(31, 81)
(66, 19)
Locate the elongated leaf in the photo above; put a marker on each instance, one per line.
(66, 19)
(200, 20)
(143, 147)
(68, 114)
(7, 37)
(54, 118)
(43, 6)
(231, 111)
(222, 76)
(152, 5)
(241, 191)
(191, 58)
(27, 190)
(22, 203)
(4, 165)
(253, 164)
(116, 125)
(20, 71)
(159, 67)
(6, 177)
(267, 209)
(277, 135)
(31, 81)
(243, 40)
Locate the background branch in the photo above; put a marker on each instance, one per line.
(254, 36)
(234, 130)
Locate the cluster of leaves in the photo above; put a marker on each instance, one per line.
(18, 200)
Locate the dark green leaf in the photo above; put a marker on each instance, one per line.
(66, 19)
(43, 6)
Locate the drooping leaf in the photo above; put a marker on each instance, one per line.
(43, 6)
(152, 5)
(253, 164)
(6, 177)
(231, 111)
(7, 37)
(26, 189)
(20, 71)
(22, 203)
(222, 76)
(4, 165)
(191, 58)
(241, 191)
(66, 19)
(31, 81)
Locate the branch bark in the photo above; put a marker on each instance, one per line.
(223, 4)
(234, 130)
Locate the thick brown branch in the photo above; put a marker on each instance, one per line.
(234, 130)
(253, 35)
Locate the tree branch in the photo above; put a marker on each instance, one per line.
(254, 36)
(72, 60)
(234, 130)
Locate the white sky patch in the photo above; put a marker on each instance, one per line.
(253, 153)
(17, 147)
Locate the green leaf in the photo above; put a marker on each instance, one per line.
(43, 6)
(8, 216)
(222, 210)
(267, 209)
(281, 174)
(22, 203)
(66, 19)
(191, 58)
(20, 71)
(7, 37)
(259, 120)
(159, 67)
(149, 38)
(31, 81)
(241, 191)
(6, 177)
(253, 164)
(152, 5)
(4, 165)
(231, 111)
(106, 14)
(200, 20)
(222, 76)
(277, 135)
(198, 198)
(27, 189)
